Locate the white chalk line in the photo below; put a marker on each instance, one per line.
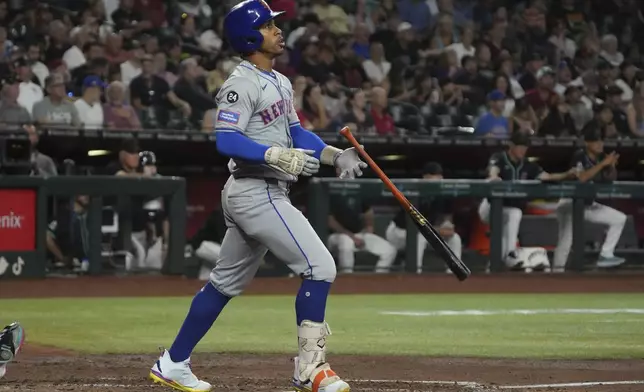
(465, 384)
(476, 312)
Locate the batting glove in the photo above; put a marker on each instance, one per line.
(349, 163)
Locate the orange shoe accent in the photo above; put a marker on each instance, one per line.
(320, 377)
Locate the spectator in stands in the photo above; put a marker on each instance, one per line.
(34, 58)
(89, 107)
(579, 112)
(382, 120)
(188, 34)
(56, 109)
(349, 67)
(512, 165)
(57, 45)
(191, 88)
(282, 65)
(543, 97)
(609, 50)
(377, 67)
(496, 39)
(493, 123)
(523, 119)
(470, 83)
(310, 64)
(29, 92)
(452, 94)
(484, 63)
(12, 114)
(426, 93)
(149, 92)
(404, 46)
(620, 119)
(74, 56)
(309, 28)
(160, 64)
(299, 86)
(502, 84)
(333, 16)
(118, 114)
(506, 67)
(558, 122)
(206, 243)
(357, 118)
(68, 235)
(314, 109)
(416, 12)
(128, 20)
(591, 164)
(630, 74)
(439, 213)
(566, 47)
(446, 66)
(361, 45)
(533, 64)
(564, 78)
(95, 66)
(351, 222)
(114, 51)
(635, 113)
(334, 98)
(131, 68)
(466, 45)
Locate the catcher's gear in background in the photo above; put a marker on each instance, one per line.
(12, 337)
(242, 23)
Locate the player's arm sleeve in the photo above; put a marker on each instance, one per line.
(236, 104)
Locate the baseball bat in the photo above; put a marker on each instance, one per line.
(460, 270)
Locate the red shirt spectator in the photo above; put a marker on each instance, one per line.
(382, 120)
(287, 6)
(543, 96)
(152, 10)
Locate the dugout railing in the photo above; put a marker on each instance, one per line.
(322, 188)
(24, 217)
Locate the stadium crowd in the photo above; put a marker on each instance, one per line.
(384, 67)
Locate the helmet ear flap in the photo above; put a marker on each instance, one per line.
(254, 41)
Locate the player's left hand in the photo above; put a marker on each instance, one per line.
(349, 164)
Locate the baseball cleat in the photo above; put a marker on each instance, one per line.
(610, 262)
(177, 375)
(324, 380)
(12, 337)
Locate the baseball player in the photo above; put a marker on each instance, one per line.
(257, 127)
(592, 165)
(511, 165)
(438, 210)
(12, 337)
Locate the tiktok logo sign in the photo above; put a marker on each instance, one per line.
(17, 220)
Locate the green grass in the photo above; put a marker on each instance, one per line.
(266, 324)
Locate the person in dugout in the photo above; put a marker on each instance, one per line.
(592, 164)
(12, 337)
(512, 165)
(438, 211)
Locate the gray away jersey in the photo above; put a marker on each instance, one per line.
(260, 106)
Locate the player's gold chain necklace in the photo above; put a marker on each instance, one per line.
(259, 68)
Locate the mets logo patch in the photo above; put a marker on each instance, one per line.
(228, 117)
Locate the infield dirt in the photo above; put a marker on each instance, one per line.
(46, 369)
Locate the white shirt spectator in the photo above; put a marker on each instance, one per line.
(90, 115)
(565, 46)
(627, 91)
(508, 109)
(30, 93)
(74, 57)
(41, 71)
(210, 41)
(376, 72)
(129, 71)
(461, 51)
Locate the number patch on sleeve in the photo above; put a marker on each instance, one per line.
(228, 117)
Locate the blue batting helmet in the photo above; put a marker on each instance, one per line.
(242, 24)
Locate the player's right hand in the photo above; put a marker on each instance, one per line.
(293, 161)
